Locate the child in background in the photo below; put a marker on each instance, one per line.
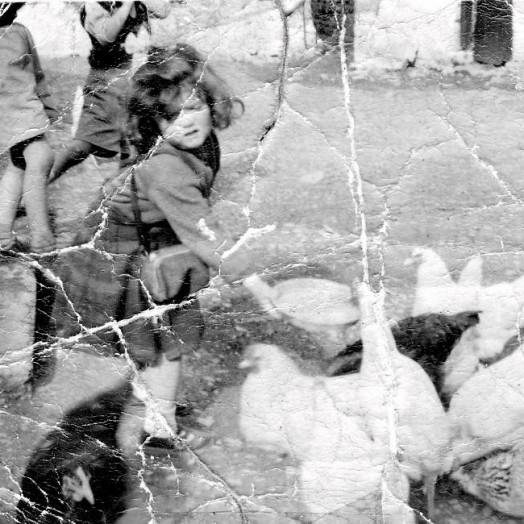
(101, 130)
(176, 102)
(25, 112)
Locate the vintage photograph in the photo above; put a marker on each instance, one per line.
(261, 262)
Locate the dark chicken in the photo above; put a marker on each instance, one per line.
(78, 474)
(427, 339)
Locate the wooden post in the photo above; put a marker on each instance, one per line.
(493, 32)
(467, 24)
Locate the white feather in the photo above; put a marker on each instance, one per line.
(77, 109)
(405, 404)
(502, 314)
(462, 363)
(274, 394)
(264, 293)
(436, 291)
(471, 275)
(487, 413)
(319, 421)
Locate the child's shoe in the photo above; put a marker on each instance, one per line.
(186, 439)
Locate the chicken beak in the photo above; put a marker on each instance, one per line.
(78, 487)
(409, 262)
(87, 492)
(88, 495)
(245, 364)
(248, 364)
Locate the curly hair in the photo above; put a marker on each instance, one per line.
(159, 88)
(8, 12)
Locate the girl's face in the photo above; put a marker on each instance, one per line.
(191, 127)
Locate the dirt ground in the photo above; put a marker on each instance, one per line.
(440, 156)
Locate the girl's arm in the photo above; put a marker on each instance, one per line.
(173, 187)
(47, 100)
(158, 8)
(42, 89)
(104, 25)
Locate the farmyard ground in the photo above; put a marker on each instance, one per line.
(440, 156)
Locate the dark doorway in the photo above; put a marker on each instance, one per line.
(467, 24)
(327, 17)
(487, 29)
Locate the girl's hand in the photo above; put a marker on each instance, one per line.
(236, 266)
(158, 8)
(105, 26)
(217, 295)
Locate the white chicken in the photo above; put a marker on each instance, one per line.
(487, 413)
(77, 109)
(462, 363)
(404, 407)
(437, 292)
(280, 406)
(342, 488)
(341, 467)
(322, 307)
(502, 314)
(497, 479)
(274, 394)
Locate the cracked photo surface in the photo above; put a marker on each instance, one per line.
(260, 261)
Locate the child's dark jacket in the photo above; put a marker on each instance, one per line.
(25, 105)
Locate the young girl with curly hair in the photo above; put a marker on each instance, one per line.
(177, 102)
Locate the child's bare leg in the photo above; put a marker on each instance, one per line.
(39, 158)
(11, 187)
(76, 151)
(161, 382)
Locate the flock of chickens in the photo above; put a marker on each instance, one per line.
(438, 393)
